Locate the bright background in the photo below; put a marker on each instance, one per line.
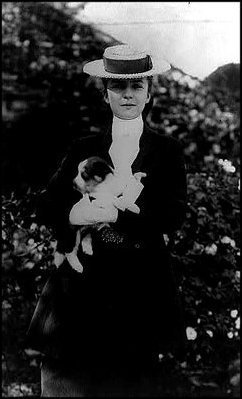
(196, 37)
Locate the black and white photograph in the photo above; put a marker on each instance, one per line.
(120, 173)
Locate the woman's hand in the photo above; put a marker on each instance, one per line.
(85, 212)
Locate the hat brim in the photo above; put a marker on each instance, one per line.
(96, 69)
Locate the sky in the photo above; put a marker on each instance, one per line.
(197, 37)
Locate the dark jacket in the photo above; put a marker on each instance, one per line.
(162, 202)
(126, 302)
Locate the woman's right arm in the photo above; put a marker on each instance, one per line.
(89, 213)
(58, 205)
(56, 201)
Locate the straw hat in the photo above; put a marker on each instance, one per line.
(124, 62)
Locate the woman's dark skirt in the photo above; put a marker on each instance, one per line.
(123, 309)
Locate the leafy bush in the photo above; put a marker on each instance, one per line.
(206, 256)
(202, 118)
(47, 100)
(27, 247)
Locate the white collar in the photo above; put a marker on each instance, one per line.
(127, 127)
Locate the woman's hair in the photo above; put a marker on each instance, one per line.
(105, 84)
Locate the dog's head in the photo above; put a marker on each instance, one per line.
(91, 172)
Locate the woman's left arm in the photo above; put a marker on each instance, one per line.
(163, 200)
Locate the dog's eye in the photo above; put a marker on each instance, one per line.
(98, 179)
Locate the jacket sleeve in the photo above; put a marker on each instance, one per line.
(163, 200)
(55, 202)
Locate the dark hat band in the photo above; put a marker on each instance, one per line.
(127, 66)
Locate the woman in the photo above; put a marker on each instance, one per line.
(102, 331)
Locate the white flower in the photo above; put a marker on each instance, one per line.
(15, 244)
(210, 313)
(166, 239)
(202, 209)
(237, 323)
(234, 313)
(191, 333)
(38, 256)
(227, 165)
(6, 305)
(228, 240)
(162, 90)
(225, 240)
(229, 168)
(75, 37)
(183, 365)
(210, 333)
(211, 250)
(33, 65)
(43, 60)
(237, 274)
(198, 247)
(230, 335)
(228, 115)
(40, 247)
(29, 265)
(198, 321)
(177, 75)
(62, 63)
(192, 83)
(33, 226)
(193, 112)
(160, 356)
(53, 244)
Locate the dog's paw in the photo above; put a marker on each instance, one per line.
(87, 245)
(74, 262)
(58, 258)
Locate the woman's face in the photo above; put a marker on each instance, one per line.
(127, 97)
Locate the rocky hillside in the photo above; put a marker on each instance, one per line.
(226, 77)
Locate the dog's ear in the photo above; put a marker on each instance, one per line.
(82, 165)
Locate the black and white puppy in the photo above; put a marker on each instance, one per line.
(91, 173)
